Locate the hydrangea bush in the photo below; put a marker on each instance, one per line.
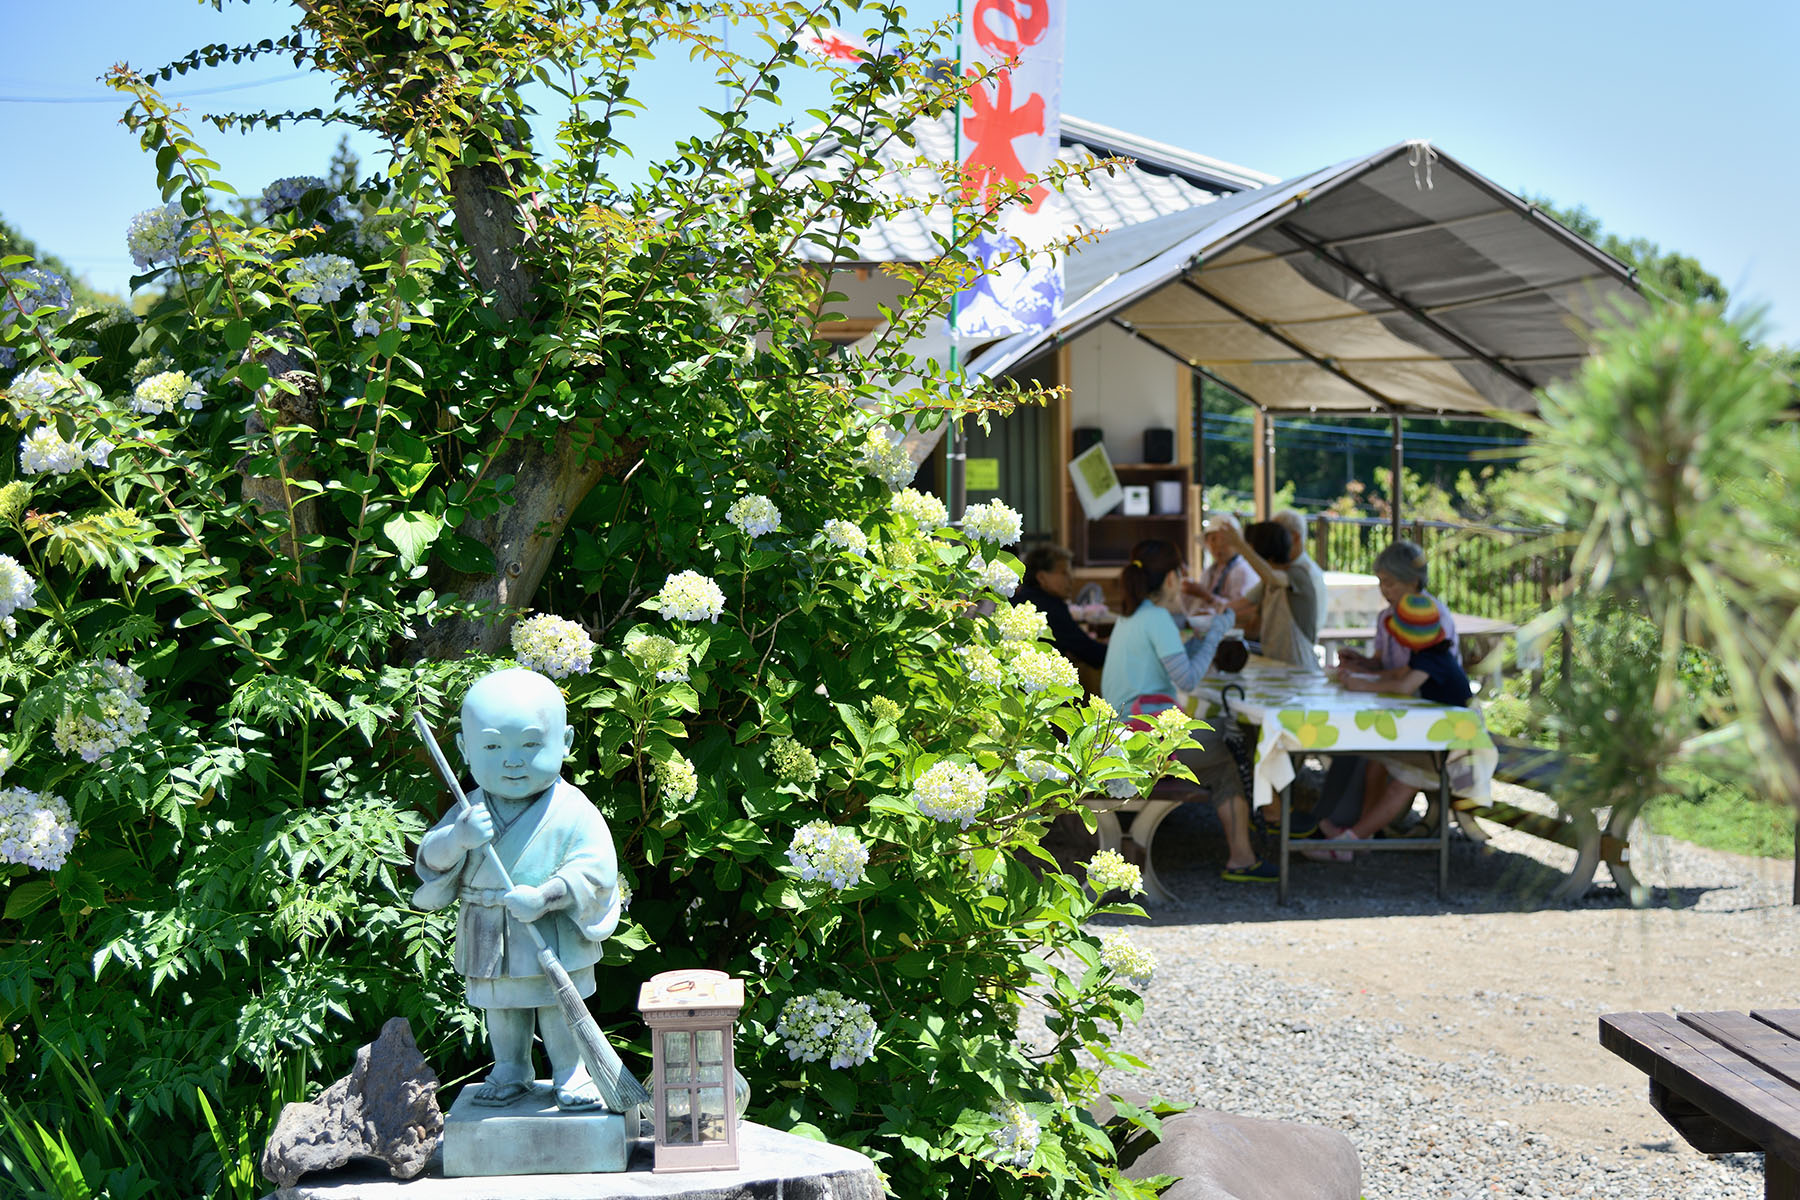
(365, 447)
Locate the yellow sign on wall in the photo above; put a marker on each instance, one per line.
(983, 475)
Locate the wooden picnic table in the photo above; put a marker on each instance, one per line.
(1729, 1082)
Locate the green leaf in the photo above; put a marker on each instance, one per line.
(412, 535)
(28, 897)
(462, 553)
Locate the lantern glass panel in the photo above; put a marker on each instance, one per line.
(680, 1126)
(675, 1058)
(712, 1114)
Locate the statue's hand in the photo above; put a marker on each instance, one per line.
(526, 902)
(475, 827)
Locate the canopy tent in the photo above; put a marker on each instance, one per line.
(1401, 284)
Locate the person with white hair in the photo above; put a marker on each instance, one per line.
(1295, 523)
(1227, 576)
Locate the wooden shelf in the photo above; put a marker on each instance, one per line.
(1106, 541)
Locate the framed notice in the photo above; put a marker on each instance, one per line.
(1096, 483)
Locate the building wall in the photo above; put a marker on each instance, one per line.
(1123, 387)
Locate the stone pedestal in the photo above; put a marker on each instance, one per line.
(531, 1136)
(771, 1166)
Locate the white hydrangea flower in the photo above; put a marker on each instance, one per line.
(950, 791)
(625, 894)
(755, 515)
(1021, 622)
(553, 646)
(825, 852)
(659, 654)
(117, 715)
(32, 390)
(827, 1024)
(884, 457)
(1017, 1138)
(5, 760)
(993, 522)
(1121, 788)
(677, 779)
(980, 665)
(793, 762)
(154, 235)
(323, 278)
(846, 536)
(1126, 958)
(996, 575)
(1171, 720)
(926, 511)
(1034, 670)
(44, 450)
(18, 592)
(364, 324)
(690, 596)
(35, 831)
(1039, 769)
(162, 392)
(1108, 871)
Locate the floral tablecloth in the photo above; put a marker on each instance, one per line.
(1297, 711)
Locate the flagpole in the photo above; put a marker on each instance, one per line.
(957, 460)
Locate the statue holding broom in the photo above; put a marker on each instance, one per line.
(532, 863)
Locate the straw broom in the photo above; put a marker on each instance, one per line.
(619, 1090)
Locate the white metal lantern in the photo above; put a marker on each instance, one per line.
(692, 1017)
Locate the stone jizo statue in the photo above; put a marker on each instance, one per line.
(564, 880)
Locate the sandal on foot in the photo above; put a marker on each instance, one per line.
(1300, 826)
(1260, 871)
(1320, 854)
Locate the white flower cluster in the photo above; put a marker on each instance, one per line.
(555, 646)
(885, 711)
(366, 324)
(1121, 787)
(950, 791)
(993, 522)
(33, 389)
(625, 894)
(793, 762)
(996, 575)
(1126, 958)
(35, 831)
(154, 235)
(1017, 1138)
(827, 1024)
(926, 511)
(1021, 622)
(885, 457)
(1039, 769)
(161, 393)
(825, 852)
(323, 278)
(690, 596)
(1108, 871)
(980, 665)
(677, 779)
(18, 592)
(44, 450)
(1034, 670)
(285, 194)
(755, 515)
(659, 654)
(1171, 720)
(43, 289)
(846, 536)
(109, 720)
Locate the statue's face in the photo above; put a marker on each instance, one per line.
(514, 738)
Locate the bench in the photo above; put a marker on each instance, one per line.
(1541, 769)
(1729, 1082)
(1148, 813)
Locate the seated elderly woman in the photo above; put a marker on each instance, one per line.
(1228, 577)
(1047, 586)
(1147, 663)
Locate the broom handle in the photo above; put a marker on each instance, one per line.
(462, 805)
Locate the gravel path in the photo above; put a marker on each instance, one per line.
(1455, 1041)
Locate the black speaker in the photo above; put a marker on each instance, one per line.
(1086, 436)
(1159, 445)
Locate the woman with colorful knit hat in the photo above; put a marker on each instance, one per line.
(1416, 625)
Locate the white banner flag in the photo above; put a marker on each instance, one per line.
(1010, 128)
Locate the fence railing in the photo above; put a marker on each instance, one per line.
(1481, 570)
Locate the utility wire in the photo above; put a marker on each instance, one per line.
(117, 97)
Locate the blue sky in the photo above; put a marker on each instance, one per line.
(1673, 122)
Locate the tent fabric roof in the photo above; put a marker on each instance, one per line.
(1163, 180)
(1401, 282)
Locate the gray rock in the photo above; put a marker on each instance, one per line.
(1218, 1156)
(772, 1166)
(386, 1109)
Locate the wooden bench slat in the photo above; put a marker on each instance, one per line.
(1734, 1090)
(1775, 1051)
(1785, 1019)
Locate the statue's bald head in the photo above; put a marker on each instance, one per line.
(515, 692)
(515, 733)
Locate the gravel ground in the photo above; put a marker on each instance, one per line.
(1455, 1041)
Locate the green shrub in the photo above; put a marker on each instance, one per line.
(407, 430)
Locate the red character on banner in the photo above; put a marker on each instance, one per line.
(1029, 20)
(991, 126)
